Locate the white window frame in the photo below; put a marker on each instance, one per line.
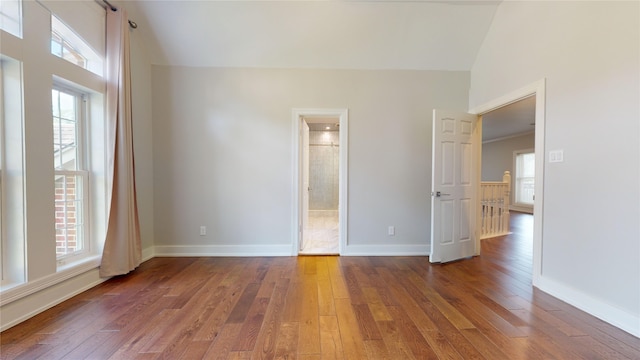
(81, 173)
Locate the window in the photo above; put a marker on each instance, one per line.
(12, 240)
(62, 48)
(2, 151)
(11, 17)
(66, 44)
(71, 175)
(525, 177)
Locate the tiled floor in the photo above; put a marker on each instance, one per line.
(321, 236)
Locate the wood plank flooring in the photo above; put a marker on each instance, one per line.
(323, 307)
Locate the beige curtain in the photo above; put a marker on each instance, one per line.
(122, 248)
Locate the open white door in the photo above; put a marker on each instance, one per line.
(304, 189)
(456, 159)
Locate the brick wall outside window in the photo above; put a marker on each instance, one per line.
(67, 205)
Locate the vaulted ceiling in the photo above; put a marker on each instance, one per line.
(418, 35)
(343, 34)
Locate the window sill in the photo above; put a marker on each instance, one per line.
(11, 292)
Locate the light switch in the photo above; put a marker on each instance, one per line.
(556, 156)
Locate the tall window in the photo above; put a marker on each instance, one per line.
(2, 191)
(71, 175)
(12, 239)
(525, 177)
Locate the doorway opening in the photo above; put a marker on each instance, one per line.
(535, 93)
(508, 141)
(320, 170)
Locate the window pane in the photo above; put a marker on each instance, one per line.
(525, 191)
(10, 17)
(56, 45)
(528, 165)
(55, 101)
(525, 178)
(67, 44)
(11, 115)
(67, 106)
(68, 214)
(65, 130)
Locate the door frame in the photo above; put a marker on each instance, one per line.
(538, 89)
(297, 116)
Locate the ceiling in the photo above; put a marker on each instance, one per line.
(323, 123)
(514, 119)
(342, 34)
(417, 35)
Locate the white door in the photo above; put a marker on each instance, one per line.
(456, 160)
(304, 188)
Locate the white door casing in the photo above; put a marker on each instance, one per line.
(343, 120)
(454, 204)
(538, 89)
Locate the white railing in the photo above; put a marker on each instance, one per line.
(495, 206)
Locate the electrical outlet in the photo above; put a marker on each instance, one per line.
(391, 230)
(203, 230)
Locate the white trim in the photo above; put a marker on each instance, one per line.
(20, 291)
(222, 250)
(148, 254)
(387, 250)
(619, 318)
(54, 295)
(538, 89)
(296, 115)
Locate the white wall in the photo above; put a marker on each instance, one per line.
(143, 144)
(589, 54)
(222, 140)
(497, 156)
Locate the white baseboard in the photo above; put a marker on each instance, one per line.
(148, 254)
(617, 317)
(223, 250)
(25, 302)
(386, 250)
(285, 250)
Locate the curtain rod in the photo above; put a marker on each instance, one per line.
(113, 8)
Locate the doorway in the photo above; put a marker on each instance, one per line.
(537, 91)
(508, 142)
(320, 194)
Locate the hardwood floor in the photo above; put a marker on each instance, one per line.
(323, 307)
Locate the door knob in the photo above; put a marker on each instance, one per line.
(438, 194)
